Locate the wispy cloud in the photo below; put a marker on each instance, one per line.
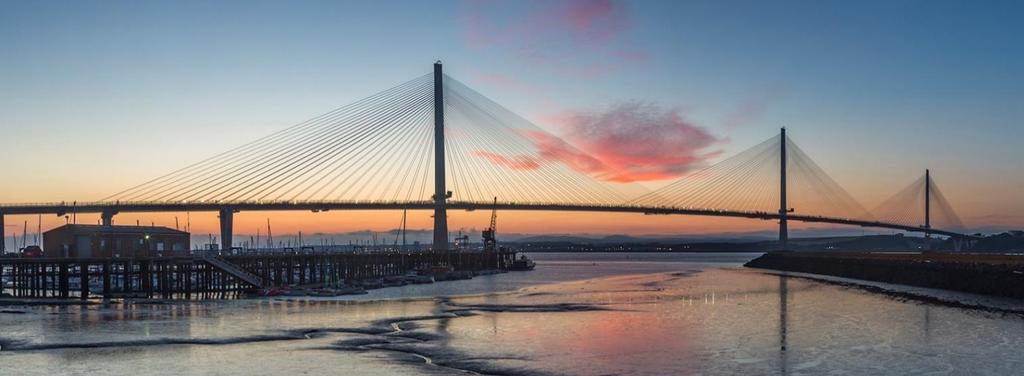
(580, 38)
(632, 141)
(552, 148)
(627, 142)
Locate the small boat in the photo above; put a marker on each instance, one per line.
(522, 264)
(373, 283)
(435, 270)
(326, 292)
(297, 292)
(418, 279)
(438, 272)
(462, 274)
(394, 281)
(129, 295)
(271, 292)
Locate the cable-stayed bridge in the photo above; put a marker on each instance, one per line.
(433, 143)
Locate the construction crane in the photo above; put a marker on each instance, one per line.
(401, 232)
(490, 242)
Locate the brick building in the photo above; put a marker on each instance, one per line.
(84, 241)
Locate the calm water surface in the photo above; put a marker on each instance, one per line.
(615, 314)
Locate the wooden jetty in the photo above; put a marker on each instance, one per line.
(208, 276)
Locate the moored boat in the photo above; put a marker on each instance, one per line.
(522, 264)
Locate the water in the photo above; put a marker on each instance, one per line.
(646, 314)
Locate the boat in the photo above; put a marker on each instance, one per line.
(394, 281)
(297, 292)
(438, 272)
(270, 292)
(372, 283)
(418, 279)
(332, 292)
(522, 264)
(351, 290)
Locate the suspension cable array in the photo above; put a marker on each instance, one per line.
(908, 207)
(352, 153)
(492, 152)
(380, 150)
(749, 181)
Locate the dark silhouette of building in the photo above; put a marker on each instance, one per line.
(84, 241)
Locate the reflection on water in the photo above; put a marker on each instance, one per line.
(783, 315)
(576, 314)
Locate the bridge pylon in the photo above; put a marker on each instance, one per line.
(927, 210)
(441, 194)
(783, 205)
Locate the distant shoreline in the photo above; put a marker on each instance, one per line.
(686, 251)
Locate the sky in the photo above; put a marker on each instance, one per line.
(101, 96)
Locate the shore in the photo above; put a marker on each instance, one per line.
(986, 274)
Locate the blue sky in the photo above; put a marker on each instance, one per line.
(875, 91)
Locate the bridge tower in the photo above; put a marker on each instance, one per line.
(927, 209)
(441, 193)
(783, 206)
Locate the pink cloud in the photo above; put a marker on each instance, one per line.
(594, 20)
(540, 32)
(553, 148)
(632, 141)
(517, 162)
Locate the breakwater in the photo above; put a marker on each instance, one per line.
(987, 274)
(217, 277)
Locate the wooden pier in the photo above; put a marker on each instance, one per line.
(200, 277)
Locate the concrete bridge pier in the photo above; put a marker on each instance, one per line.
(107, 217)
(3, 235)
(227, 225)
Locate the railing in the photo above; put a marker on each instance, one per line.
(228, 267)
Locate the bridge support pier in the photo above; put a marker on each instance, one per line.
(3, 235)
(107, 217)
(227, 226)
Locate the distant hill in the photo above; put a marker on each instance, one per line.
(1010, 241)
(627, 239)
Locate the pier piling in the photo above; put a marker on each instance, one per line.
(196, 277)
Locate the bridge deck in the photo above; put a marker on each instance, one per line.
(317, 206)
